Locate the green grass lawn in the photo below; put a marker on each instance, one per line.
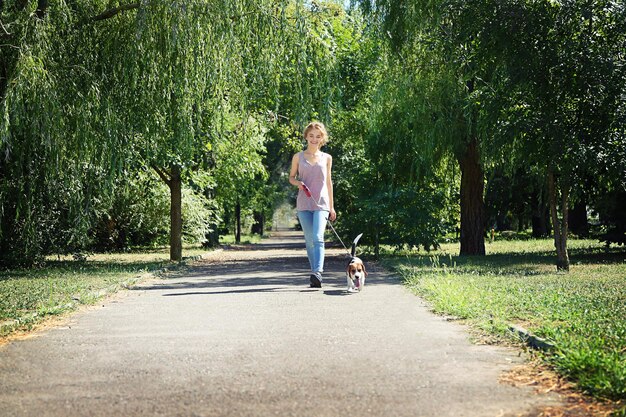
(583, 312)
(27, 296)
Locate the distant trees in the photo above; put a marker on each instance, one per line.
(561, 85)
(93, 91)
(446, 118)
(510, 86)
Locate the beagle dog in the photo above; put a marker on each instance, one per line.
(355, 274)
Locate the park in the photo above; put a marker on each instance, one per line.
(151, 262)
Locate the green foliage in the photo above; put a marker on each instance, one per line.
(87, 96)
(561, 96)
(49, 141)
(513, 201)
(221, 89)
(237, 153)
(611, 207)
(308, 87)
(403, 217)
(200, 216)
(390, 169)
(580, 313)
(138, 214)
(541, 84)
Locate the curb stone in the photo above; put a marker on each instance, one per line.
(530, 339)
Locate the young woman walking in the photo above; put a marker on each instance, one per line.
(311, 173)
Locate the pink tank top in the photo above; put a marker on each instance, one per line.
(314, 176)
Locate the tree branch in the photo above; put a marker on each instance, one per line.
(166, 178)
(10, 46)
(6, 32)
(107, 14)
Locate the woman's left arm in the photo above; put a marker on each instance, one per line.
(329, 184)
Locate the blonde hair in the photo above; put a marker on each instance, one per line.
(319, 126)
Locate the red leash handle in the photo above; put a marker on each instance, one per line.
(306, 190)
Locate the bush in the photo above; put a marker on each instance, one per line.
(139, 215)
(51, 215)
(200, 216)
(405, 217)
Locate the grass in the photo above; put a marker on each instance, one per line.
(583, 312)
(28, 296)
(245, 239)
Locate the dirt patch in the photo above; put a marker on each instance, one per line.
(544, 380)
(37, 329)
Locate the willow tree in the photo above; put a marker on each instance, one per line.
(188, 61)
(430, 43)
(89, 89)
(59, 133)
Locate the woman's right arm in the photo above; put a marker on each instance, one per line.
(294, 172)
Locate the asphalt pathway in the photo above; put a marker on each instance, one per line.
(241, 334)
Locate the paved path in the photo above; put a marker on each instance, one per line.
(241, 334)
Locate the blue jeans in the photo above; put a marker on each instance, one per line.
(313, 224)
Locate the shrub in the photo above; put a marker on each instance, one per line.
(138, 214)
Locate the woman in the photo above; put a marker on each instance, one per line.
(311, 173)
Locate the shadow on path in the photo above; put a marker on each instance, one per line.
(241, 334)
(277, 266)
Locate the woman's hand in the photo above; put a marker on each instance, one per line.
(333, 215)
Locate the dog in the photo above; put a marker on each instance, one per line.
(355, 272)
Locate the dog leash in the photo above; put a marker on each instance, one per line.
(336, 234)
(308, 193)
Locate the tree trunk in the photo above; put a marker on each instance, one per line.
(472, 202)
(560, 227)
(213, 236)
(259, 223)
(377, 244)
(42, 6)
(176, 216)
(212, 239)
(540, 226)
(238, 220)
(174, 182)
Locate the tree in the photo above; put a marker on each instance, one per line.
(431, 41)
(207, 55)
(238, 153)
(533, 85)
(96, 86)
(57, 131)
(382, 188)
(562, 83)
